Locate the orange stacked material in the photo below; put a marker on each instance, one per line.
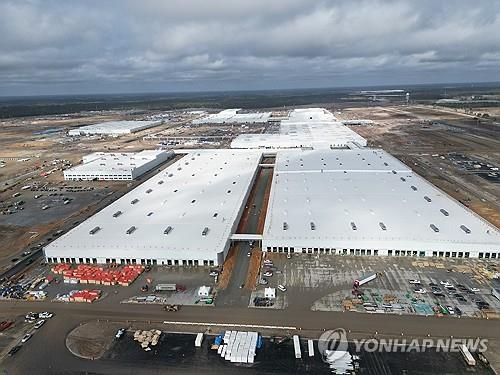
(104, 276)
(85, 295)
(60, 268)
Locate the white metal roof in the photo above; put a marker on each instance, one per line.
(203, 189)
(310, 127)
(114, 127)
(232, 116)
(115, 162)
(356, 186)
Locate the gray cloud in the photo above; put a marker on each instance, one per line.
(126, 45)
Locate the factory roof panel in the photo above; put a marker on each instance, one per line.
(366, 207)
(198, 198)
(113, 127)
(303, 128)
(232, 116)
(115, 162)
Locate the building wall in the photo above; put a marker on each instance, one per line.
(52, 257)
(268, 246)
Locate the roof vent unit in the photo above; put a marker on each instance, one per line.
(95, 230)
(353, 225)
(131, 230)
(382, 226)
(313, 226)
(167, 230)
(393, 171)
(149, 191)
(427, 199)
(205, 231)
(134, 201)
(285, 225)
(414, 188)
(465, 229)
(403, 179)
(117, 213)
(160, 182)
(434, 228)
(386, 164)
(444, 212)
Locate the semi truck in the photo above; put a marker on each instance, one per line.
(365, 279)
(166, 288)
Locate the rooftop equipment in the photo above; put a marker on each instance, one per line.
(95, 230)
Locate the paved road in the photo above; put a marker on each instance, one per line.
(46, 352)
(233, 295)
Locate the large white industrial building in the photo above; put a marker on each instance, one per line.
(113, 128)
(231, 116)
(366, 202)
(323, 201)
(304, 128)
(184, 215)
(116, 166)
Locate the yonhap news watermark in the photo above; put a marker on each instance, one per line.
(333, 345)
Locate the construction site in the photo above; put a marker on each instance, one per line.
(278, 210)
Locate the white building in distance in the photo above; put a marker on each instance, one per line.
(113, 128)
(366, 202)
(116, 166)
(231, 116)
(184, 215)
(304, 128)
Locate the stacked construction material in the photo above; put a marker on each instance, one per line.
(239, 347)
(35, 295)
(86, 274)
(85, 295)
(147, 338)
(60, 268)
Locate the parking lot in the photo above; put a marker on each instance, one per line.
(17, 331)
(35, 207)
(326, 284)
(478, 167)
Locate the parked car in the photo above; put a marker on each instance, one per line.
(474, 290)
(263, 281)
(26, 337)
(39, 324)
(268, 261)
(45, 315)
(415, 281)
(214, 273)
(420, 291)
(14, 350)
(268, 274)
(451, 310)
(282, 288)
(458, 311)
(433, 284)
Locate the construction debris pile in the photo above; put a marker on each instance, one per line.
(86, 274)
(147, 338)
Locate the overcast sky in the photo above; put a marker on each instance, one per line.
(58, 47)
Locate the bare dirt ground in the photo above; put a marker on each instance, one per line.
(91, 340)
